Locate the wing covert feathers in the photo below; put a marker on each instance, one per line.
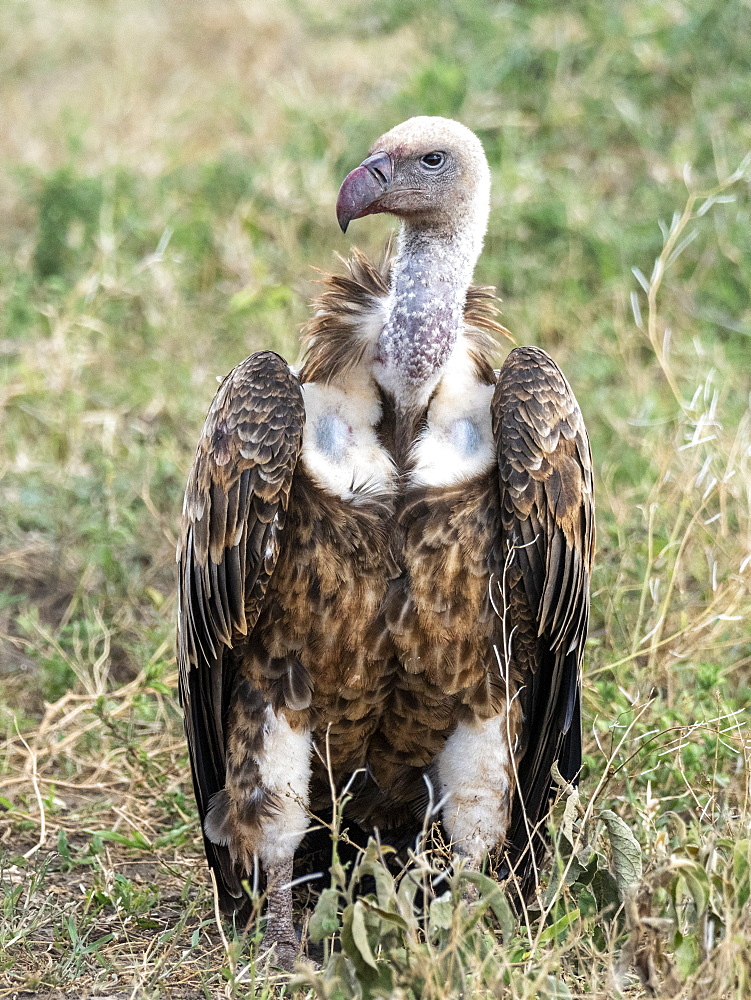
(547, 515)
(234, 510)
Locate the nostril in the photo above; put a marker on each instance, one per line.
(379, 175)
(379, 167)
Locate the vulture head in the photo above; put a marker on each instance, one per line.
(430, 172)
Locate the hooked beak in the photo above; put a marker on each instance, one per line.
(361, 189)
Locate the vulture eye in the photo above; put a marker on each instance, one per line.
(433, 161)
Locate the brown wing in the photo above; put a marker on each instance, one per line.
(233, 514)
(547, 515)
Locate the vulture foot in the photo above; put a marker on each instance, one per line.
(280, 946)
(468, 863)
(280, 954)
(470, 893)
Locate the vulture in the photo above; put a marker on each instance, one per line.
(385, 556)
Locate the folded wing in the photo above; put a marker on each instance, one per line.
(547, 545)
(233, 516)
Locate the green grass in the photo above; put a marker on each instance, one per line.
(167, 180)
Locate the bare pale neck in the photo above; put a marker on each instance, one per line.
(425, 313)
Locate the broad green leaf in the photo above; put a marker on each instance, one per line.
(687, 954)
(573, 870)
(387, 915)
(588, 860)
(741, 870)
(405, 894)
(605, 889)
(338, 874)
(491, 893)
(572, 809)
(556, 989)
(365, 974)
(441, 913)
(372, 864)
(360, 934)
(555, 930)
(627, 863)
(325, 919)
(698, 885)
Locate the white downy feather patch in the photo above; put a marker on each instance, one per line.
(272, 544)
(340, 446)
(476, 776)
(457, 442)
(284, 765)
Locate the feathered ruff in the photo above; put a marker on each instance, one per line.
(349, 314)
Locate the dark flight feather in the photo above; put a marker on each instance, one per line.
(547, 514)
